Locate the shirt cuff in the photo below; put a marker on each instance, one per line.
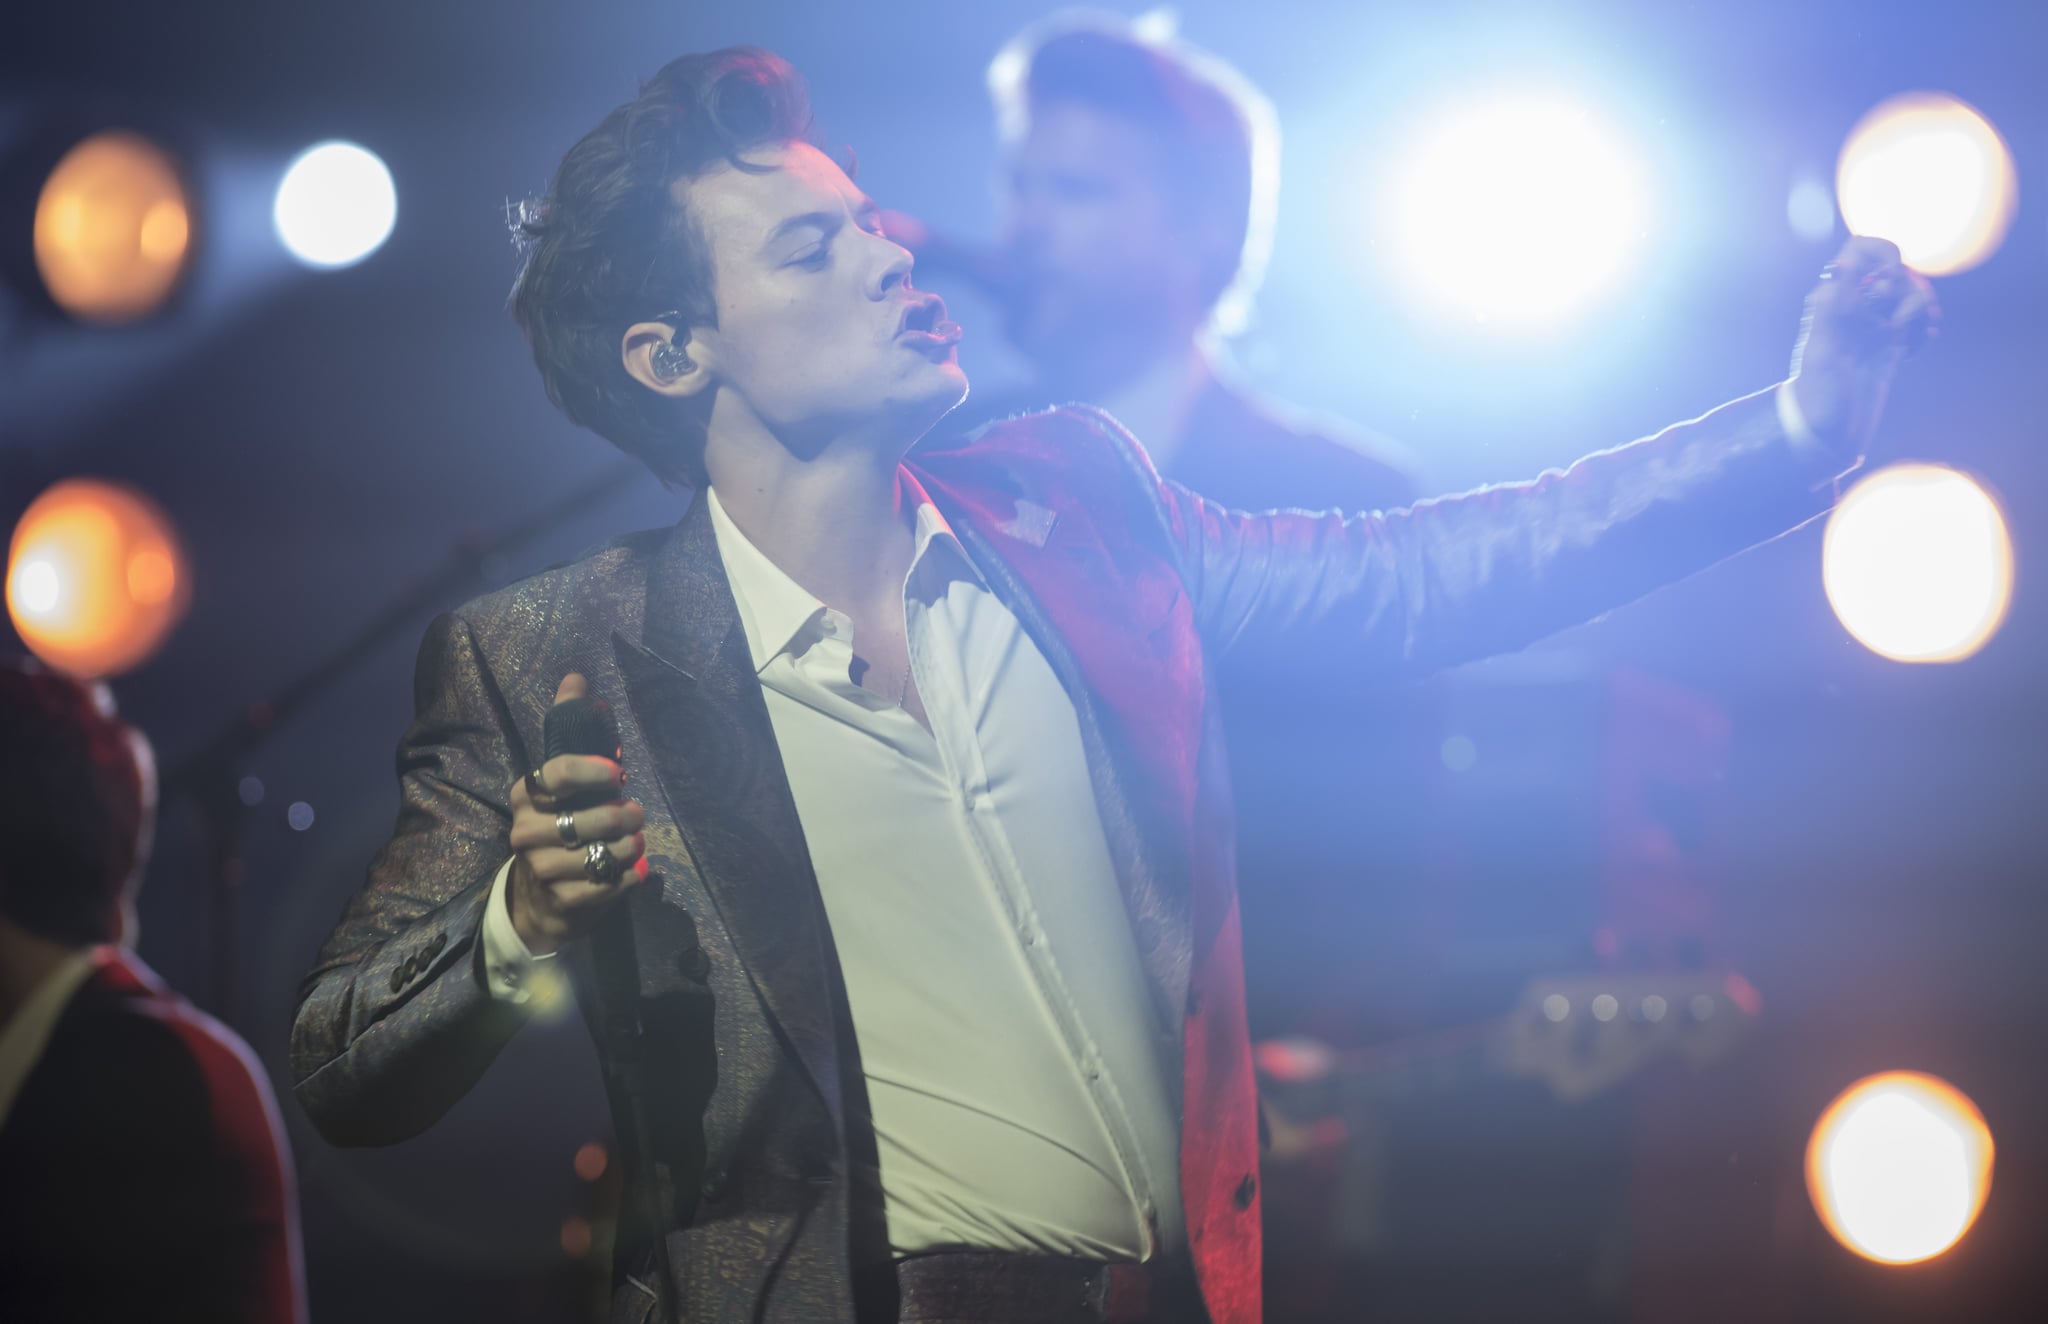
(508, 962)
(1793, 420)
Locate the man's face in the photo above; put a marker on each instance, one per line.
(1088, 221)
(819, 332)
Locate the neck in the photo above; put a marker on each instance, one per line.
(1156, 399)
(26, 960)
(832, 521)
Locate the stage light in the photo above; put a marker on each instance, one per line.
(1929, 173)
(336, 205)
(113, 229)
(1519, 211)
(1899, 1166)
(1917, 564)
(95, 578)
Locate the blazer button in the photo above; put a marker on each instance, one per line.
(400, 974)
(434, 947)
(693, 964)
(1246, 1189)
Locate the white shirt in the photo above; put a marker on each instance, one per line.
(1019, 1095)
(27, 1032)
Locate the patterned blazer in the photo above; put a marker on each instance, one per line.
(1133, 587)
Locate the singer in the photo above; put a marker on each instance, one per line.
(936, 1010)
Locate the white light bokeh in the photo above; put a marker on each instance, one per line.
(1810, 210)
(1931, 174)
(1519, 211)
(336, 205)
(1899, 1166)
(1918, 565)
(38, 587)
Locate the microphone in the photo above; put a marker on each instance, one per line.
(581, 726)
(586, 726)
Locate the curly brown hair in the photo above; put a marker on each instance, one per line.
(609, 244)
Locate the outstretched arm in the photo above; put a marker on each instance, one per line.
(1462, 577)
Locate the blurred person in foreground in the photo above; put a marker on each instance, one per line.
(144, 1173)
(936, 1009)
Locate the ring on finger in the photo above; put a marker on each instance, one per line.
(565, 828)
(600, 866)
(537, 787)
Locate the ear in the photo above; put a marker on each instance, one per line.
(636, 351)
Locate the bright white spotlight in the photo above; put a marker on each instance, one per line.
(335, 206)
(1929, 173)
(1520, 210)
(1898, 1166)
(1918, 564)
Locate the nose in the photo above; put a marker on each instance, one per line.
(895, 270)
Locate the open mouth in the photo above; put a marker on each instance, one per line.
(925, 322)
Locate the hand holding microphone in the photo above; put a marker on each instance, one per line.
(576, 836)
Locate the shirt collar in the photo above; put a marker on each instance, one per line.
(774, 608)
(776, 611)
(25, 1034)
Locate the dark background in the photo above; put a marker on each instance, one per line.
(1868, 838)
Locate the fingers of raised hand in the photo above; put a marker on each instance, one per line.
(568, 778)
(1865, 255)
(1917, 314)
(1867, 291)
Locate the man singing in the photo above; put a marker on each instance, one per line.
(937, 1009)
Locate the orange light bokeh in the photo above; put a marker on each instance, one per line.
(113, 229)
(95, 578)
(591, 1160)
(1899, 1166)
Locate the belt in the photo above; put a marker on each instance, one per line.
(994, 1287)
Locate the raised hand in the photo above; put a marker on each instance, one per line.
(1867, 312)
(581, 799)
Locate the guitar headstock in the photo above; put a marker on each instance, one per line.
(1585, 1034)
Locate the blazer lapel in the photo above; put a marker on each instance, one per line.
(1099, 628)
(695, 695)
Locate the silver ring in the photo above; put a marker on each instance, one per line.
(565, 828)
(599, 866)
(537, 788)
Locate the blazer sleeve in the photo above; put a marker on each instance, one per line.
(395, 1022)
(1453, 579)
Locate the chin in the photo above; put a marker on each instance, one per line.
(937, 394)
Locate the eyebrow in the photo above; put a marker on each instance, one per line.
(825, 221)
